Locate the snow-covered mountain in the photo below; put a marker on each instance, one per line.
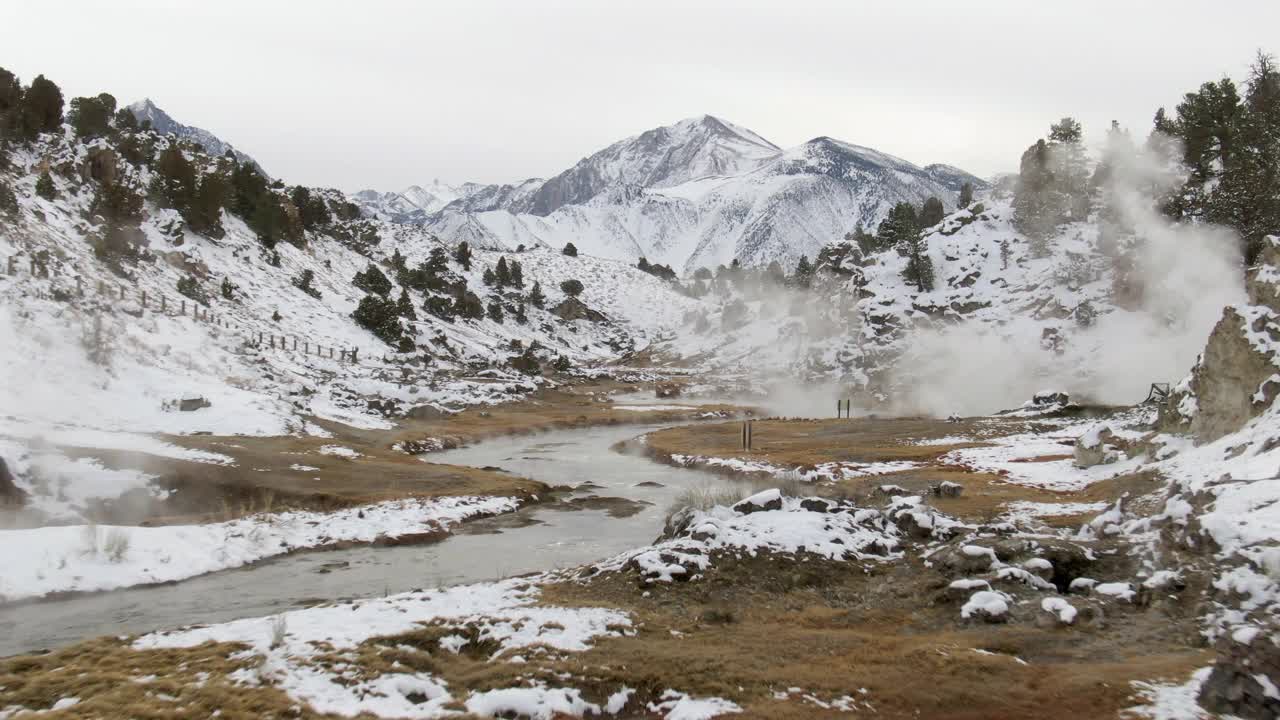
(163, 123)
(699, 193)
(414, 203)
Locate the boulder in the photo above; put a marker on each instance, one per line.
(1091, 447)
(760, 502)
(1245, 677)
(191, 404)
(948, 489)
(816, 505)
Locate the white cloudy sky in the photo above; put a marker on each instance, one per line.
(384, 94)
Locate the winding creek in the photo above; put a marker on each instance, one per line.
(537, 538)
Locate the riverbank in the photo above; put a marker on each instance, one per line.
(905, 604)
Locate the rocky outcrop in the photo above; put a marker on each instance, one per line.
(1244, 680)
(1238, 376)
(574, 309)
(102, 165)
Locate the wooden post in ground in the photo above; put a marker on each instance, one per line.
(13, 261)
(80, 286)
(330, 352)
(163, 303)
(144, 299)
(295, 342)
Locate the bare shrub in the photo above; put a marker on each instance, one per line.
(116, 545)
(705, 497)
(90, 540)
(98, 341)
(279, 628)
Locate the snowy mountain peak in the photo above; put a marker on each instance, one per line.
(662, 157)
(162, 122)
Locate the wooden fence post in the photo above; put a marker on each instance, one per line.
(144, 299)
(162, 303)
(80, 286)
(12, 262)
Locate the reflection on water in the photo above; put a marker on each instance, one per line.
(532, 540)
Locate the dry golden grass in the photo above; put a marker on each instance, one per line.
(263, 479)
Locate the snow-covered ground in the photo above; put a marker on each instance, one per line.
(82, 558)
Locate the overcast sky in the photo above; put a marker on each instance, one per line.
(386, 94)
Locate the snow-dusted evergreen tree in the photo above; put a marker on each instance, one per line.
(931, 212)
(919, 269)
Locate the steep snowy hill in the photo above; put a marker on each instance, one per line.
(699, 193)
(163, 123)
(266, 332)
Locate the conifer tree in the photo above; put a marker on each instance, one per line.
(931, 212)
(404, 306)
(919, 269)
(372, 280)
(900, 225)
(462, 254)
(571, 250)
(536, 297)
(41, 108)
(517, 274)
(966, 195)
(45, 187)
(804, 272)
(502, 275)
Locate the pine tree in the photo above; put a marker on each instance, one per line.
(462, 255)
(495, 311)
(404, 306)
(204, 214)
(931, 212)
(517, 274)
(489, 278)
(804, 272)
(966, 195)
(919, 269)
(176, 180)
(571, 250)
(372, 280)
(91, 117)
(41, 108)
(1248, 196)
(229, 289)
(502, 275)
(536, 298)
(900, 225)
(45, 187)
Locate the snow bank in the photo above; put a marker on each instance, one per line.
(81, 558)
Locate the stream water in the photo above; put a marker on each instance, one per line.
(540, 537)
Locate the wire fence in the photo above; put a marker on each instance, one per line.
(181, 307)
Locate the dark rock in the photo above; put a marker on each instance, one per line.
(574, 309)
(10, 493)
(193, 404)
(1233, 686)
(817, 505)
(760, 502)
